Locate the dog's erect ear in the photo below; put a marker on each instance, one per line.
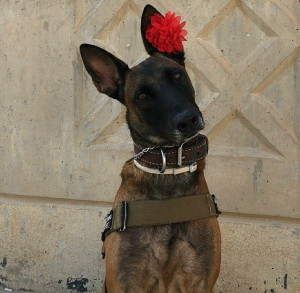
(149, 11)
(107, 71)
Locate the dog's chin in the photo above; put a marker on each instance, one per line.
(184, 137)
(175, 138)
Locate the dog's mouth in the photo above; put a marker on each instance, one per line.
(176, 139)
(185, 137)
(190, 137)
(167, 138)
(180, 138)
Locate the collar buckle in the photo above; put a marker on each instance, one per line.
(179, 155)
(162, 169)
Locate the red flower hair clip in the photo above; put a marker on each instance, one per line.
(166, 33)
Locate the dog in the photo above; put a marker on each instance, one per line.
(163, 255)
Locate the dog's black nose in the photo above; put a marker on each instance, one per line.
(188, 121)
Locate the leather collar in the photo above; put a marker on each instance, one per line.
(186, 154)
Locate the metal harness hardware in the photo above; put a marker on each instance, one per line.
(124, 215)
(218, 211)
(108, 223)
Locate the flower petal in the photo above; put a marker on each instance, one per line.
(166, 33)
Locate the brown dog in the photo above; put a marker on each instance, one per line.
(180, 256)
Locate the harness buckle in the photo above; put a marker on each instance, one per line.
(218, 211)
(124, 215)
(108, 222)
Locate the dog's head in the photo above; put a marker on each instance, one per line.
(158, 93)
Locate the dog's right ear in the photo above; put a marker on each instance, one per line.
(149, 11)
(107, 71)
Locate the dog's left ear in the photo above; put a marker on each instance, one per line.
(149, 11)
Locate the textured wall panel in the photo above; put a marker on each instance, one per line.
(242, 57)
(259, 256)
(36, 97)
(48, 247)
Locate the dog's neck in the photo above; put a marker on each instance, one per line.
(141, 185)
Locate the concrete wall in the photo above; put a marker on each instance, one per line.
(62, 144)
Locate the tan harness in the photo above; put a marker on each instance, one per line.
(129, 214)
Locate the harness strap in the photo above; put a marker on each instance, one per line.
(130, 214)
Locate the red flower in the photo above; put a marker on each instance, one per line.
(166, 33)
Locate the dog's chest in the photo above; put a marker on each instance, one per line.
(163, 256)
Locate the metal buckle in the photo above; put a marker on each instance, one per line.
(179, 155)
(108, 222)
(218, 211)
(124, 215)
(193, 167)
(164, 162)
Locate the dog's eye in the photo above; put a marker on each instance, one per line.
(141, 96)
(176, 75)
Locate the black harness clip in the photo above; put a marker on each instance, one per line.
(218, 211)
(108, 222)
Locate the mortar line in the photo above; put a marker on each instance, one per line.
(259, 218)
(30, 199)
